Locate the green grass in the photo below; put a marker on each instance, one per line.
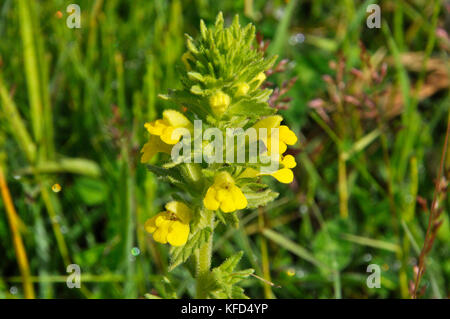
(73, 103)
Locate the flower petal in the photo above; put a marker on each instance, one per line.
(178, 233)
(288, 161)
(160, 234)
(240, 200)
(284, 175)
(176, 119)
(210, 201)
(149, 225)
(181, 210)
(287, 136)
(227, 205)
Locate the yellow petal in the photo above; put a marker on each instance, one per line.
(180, 210)
(169, 136)
(210, 201)
(284, 175)
(155, 127)
(282, 147)
(153, 146)
(148, 151)
(160, 219)
(176, 119)
(287, 136)
(160, 235)
(227, 205)
(178, 233)
(149, 225)
(240, 200)
(269, 122)
(222, 194)
(288, 161)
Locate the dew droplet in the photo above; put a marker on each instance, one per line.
(13, 290)
(290, 272)
(297, 39)
(135, 251)
(303, 209)
(56, 188)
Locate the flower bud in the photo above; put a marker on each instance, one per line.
(242, 89)
(219, 102)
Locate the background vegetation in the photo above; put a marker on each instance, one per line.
(72, 107)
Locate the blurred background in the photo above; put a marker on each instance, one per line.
(370, 107)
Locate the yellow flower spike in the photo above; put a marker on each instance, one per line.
(224, 194)
(163, 135)
(242, 89)
(219, 102)
(171, 226)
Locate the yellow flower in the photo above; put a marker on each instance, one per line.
(172, 225)
(153, 146)
(242, 89)
(163, 134)
(219, 102)
(283, 175)
(224, 194)
(285, 135)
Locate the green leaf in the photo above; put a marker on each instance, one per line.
(224, 278)
(230, 263)
(91, 191)
(250, 108)
(228, 218)
(291, 246)
(329, 246)
(256, 199)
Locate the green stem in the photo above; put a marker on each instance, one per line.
(204, 255)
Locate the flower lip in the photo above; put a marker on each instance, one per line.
(172, 225)
(224, 194)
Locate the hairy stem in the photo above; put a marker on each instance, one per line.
(203, 259)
